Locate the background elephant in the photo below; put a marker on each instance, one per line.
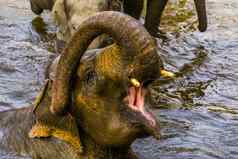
(154, 12)
(88, 109)
(69, 14)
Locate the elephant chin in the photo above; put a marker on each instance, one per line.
(135, 101)
(202, 15)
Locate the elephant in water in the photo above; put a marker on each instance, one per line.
(69, 14)
(93, 105)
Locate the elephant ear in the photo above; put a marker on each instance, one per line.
(49, 125)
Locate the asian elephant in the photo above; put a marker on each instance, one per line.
(93, 106)
(154, 12)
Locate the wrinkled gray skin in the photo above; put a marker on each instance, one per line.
(154, 12)
(104, 121)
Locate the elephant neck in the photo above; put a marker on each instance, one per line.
(93, 150)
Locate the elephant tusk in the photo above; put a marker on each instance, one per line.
(167, 74)
(135, 82)
(164, 73)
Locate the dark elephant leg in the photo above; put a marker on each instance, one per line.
(154, 12)
(202, 15)
(37, 6)
(133, 7)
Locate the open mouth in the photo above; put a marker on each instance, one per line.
(136, 101)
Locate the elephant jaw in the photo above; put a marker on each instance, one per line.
(135, 99)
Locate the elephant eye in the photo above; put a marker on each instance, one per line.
(90, 77)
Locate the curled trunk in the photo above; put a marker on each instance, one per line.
(128, 34)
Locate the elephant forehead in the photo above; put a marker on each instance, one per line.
(110, 63)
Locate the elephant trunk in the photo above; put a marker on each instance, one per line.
(202, 15)
(128, 33)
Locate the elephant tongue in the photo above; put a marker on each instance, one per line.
(136, 96)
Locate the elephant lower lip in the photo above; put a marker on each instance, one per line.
(135, 99)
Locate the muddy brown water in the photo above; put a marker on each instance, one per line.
(198, 111)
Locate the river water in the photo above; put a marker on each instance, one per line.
(198, 111)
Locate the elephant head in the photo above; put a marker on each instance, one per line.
(37, 6)
(108, 91)
(105, 93)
